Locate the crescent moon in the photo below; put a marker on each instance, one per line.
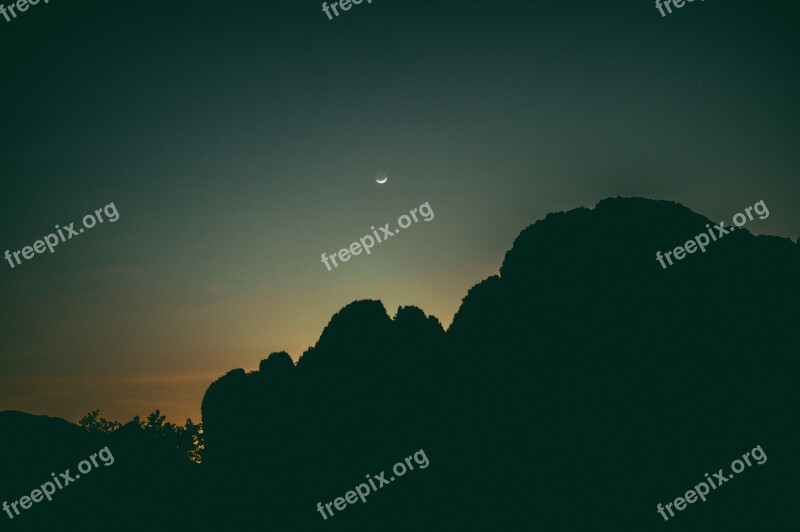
(385, 179)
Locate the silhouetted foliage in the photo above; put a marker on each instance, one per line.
(93, 422)
(575, 390)
(188, 439)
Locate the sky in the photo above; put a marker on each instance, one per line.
(239, 142)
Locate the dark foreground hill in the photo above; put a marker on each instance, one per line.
(576, 390)
(137, 479)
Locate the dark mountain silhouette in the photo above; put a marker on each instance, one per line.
(575, 390)
(144, 488)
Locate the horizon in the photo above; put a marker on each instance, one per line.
(198, 382)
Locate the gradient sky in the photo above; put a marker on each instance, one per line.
(240, 140)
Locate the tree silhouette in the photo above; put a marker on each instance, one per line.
(93, 422)
(582, 366)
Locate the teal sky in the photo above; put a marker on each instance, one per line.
(238, 143)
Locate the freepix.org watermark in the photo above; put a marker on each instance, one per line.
(20, 6)
(702, 489)
(362, 490)
(48, 489)
(344, 5)
(715, 233)
(52, 240)
(366, 243)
